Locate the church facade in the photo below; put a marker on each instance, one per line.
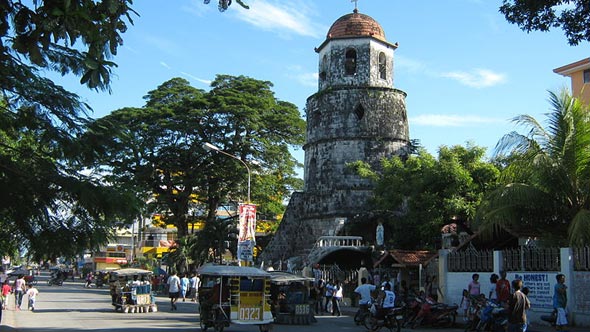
(356, 114)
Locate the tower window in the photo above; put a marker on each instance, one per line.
(586, 76)
(359, 111)
(350, 62)
(382, 66)
(324, 67)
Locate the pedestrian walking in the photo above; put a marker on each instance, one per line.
(193, 288)
(173, 290)
(19, 291)
(89, 278)
(337, 298)
(518, 304)
(329, 294)
(32, 293)
(6, 290)
(184, 286)
(560, 303)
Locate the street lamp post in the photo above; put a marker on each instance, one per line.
(211, 147)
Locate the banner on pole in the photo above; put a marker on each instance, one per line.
(247, 232)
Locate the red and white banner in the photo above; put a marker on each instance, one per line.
(247, 225)
(247, 232)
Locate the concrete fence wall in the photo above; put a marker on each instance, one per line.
(540, 283)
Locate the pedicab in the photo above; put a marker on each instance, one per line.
(290, 298)
(234, 295)
(131, 290)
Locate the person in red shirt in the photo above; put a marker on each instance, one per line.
(6, 289)
(503, 288)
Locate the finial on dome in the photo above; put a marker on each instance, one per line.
(356, 9)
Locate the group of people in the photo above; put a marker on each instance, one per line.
(326, 295)
(513, 296)
(19, 288)
(182, 287)
(385, 296)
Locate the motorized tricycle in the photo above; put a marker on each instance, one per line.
(131, 290)
(234, 295)
(290, 298)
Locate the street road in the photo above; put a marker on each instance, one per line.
(72, 307)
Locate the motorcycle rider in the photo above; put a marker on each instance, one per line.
(387, 300)
(364, 292)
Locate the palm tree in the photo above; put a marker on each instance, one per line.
(546, 179)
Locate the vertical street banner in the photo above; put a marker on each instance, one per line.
(247, 232)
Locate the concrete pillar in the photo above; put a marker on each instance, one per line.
(567, 268)
(498, 260)
(443, 271)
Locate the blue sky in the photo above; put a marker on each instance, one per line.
(466, 71)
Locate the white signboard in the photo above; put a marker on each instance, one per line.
(540, 287)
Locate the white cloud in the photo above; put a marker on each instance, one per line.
(297, 73)
(408, 64)
(198, 8)
(202, 80)
(284, 18)
(477, 78)
(441, 120)
(165, 65)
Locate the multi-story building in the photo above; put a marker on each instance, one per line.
(579, 73)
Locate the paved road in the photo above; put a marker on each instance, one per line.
(74, 308)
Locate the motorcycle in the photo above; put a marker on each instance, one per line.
(476, 304)
(492, 317)
(55, 281)
(434, 314)
(392, 319)
(362, 314)
(551, 318)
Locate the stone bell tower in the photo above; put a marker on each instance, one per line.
(356, 114)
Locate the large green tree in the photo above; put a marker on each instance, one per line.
(416, 197)
(47, 205)
(573, 16)
(546, 181)
(158, 149)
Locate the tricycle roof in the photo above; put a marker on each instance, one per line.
(131, 272)
(232, 271)
(281, 277)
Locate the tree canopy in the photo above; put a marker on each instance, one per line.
(48, 205)
(420, 195)
(158, 149)
(542, 15)
(545, 187)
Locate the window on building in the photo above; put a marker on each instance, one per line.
(586, 76)
(359, 111)
(350, 62)
(324, 68)
(382, 66)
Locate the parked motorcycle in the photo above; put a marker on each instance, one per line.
(551, 318)
(391, 320)
(492, 317)
(476, 305)
(433, 313)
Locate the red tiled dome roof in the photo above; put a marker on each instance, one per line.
(356, 25)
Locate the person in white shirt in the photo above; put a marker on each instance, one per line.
(173, 290)
(364, 291)
(337, 298)
(329, 294)
(193, 287)
(387, 301)
(32, 294)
